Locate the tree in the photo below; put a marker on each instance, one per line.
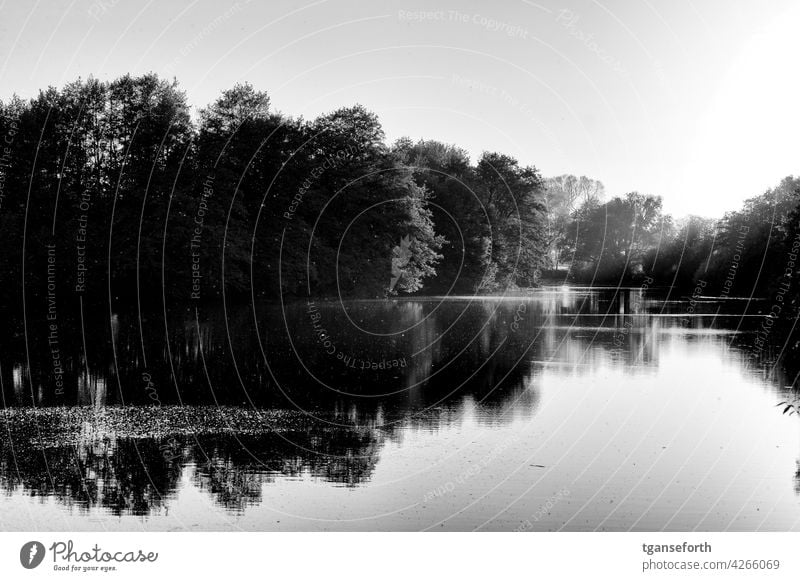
(456, 211)
(363, 203)
(612, 238)
(681, 255)
(563, 195)
(751, 240)
(513, 199)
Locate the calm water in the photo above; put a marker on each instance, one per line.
(562, 409)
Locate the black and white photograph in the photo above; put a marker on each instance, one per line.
(279, 267)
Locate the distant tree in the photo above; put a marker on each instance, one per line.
(513, 198)
(682, 254)
(751, 240)
(570, 192)
(563, 195)
(612, 238)
(236, 106)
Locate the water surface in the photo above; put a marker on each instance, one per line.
(556, 409)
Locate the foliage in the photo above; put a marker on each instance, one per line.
(612, 239)
(111, 190)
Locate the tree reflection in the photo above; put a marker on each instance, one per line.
(473, 356)
(121, 476)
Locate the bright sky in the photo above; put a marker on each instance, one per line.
(692, 100)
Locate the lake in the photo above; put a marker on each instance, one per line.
(556, 409)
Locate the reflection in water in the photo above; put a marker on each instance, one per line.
(381, 397)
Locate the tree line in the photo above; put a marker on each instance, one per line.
(113, 191)
(749, 252)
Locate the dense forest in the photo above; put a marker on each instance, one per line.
(114, 191)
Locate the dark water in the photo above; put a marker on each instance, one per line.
(560, 409)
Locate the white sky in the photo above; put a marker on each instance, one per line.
(692, 100)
